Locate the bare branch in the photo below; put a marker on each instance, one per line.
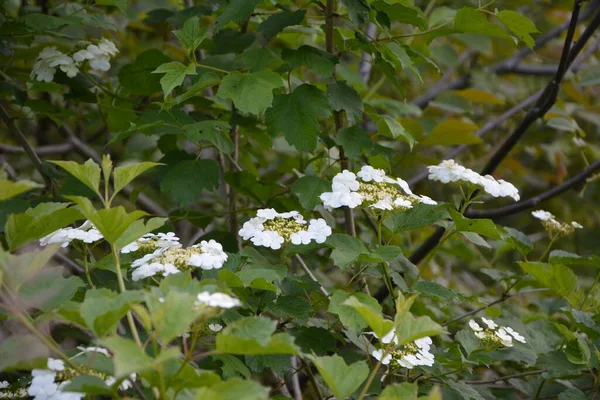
(311, 275)
(40, 150)
(506, 377)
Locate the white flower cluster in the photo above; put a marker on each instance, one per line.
(50, 383)
(494, 335)
(86, 233)
(411, 355)
(7, 393)
(168, 257)
(218, 299)
(374, 190)
(553, 226)
(272, 229)
(449, 171)
(98, 56)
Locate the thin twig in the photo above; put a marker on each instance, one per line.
(505, 378)
(311, 275)
(20, 137)
(40, 150)
(501, 299)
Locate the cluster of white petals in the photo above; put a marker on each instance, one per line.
(449, 171)
(553, 226)
(220, 300)
(98, 56)
(495, 335)
(86, 233)
(164, 255)
(372, 188)
(272, 229)
(409, 356)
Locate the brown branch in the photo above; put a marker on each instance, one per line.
(506, 377)
(40, 150)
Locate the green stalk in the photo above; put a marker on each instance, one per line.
(130, 320)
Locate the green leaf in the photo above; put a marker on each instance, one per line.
(452, 132)
(87, 173)
(89, 384)
(556, 277)
(203, 82)
(38, 222)
(566, 258)
(578, 352)
(102, 309)
(350, 317)
(400, 391)
(291, 308)
(416, 217)
(192, 35)
(10, 189)
(357, 9)
(521, 26)
(468, 341)
(295, 115)
(397, 55)
(468, 19)
(315, 340)
(237, 11)
(186, 180)
(388, 126)
(372, 315)
(48, 289)
(22, 351)
(319, 61)
(215, 132)
(232, 366)
(341, 378)
(354, 140)
(573, 394)
(128, 357)
(234, 389)
(175, 72)
(126, 173)
(277, 22)
(482, 226)
(402, 13)
(251, 93)
(437, 291)
(518, 240)
(111, 222)
(254, 335)
(308, 189)
(409, 328)
(346, 249)
(173, 316)
(344, 97)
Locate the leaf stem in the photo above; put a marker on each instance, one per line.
(130, 320)
(371, 378)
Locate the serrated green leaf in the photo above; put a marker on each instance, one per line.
(521, 26)
(192, 35)
(390, 127)
(296, 116)
(346, 249)
(354, 140)
(468, 19)
(128, 357)
(318, 60)
(237, 11)
(175, 72)
(10, 189)
(87, 173)
(410, 328)
(350, 317)
(234, 389)
(484, 227)
(556, 277)
(308, 189)
(357, 9)
(416, 217)
(372, 315)
(400, 391)
(215, 132)
(277, 22)
(251, 93)
(186, 180)
(403, 14)
(344, 97)
(232, 366)
(566, 258)
(126, 173)
(518, 240)
(102, 309)
(173, 316)
(23, 351)
(341, 378)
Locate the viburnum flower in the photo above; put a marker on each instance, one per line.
(494, 336)
(273, 229)
(98, 56)
(371, 188)
(554, 227)
(50, 383)
(86, 233)
(151, 242)
(449, 171)
(172, 260)
(220, 300)
(409, 356)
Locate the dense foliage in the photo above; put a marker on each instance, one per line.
(252, 199)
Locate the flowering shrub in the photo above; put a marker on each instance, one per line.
(299, 200)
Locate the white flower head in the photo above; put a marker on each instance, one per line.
(273, 229)
(542, 215)
(516, 335)
(215, 327)
(475, 326)
(378, 354)
(490, 323)
(220, 300)
(86, 233)
(505, 338)
(368, 174)
(212, 255)
(554, 227)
